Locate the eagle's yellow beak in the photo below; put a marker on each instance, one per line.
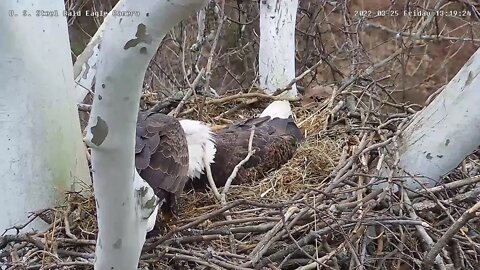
(217, 127)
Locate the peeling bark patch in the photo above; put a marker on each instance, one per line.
(150, 204)
(87, 69)
(447, 142)
(143, 191)
(100, 97)
(99, 131)
(141, 36)
(118, 244)
(429, 156)
(143, 50)
(469, 78)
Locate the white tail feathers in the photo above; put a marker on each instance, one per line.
(279, 109)
(201, 145)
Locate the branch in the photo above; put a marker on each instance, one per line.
(421, 230)
(211, 181)
(232, 176)
(189, 92)
(298, 78)
(451, 185)
(447, 236)
(203, 218)
(208, 70)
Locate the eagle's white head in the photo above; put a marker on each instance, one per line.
(201, 146)
(278, 108)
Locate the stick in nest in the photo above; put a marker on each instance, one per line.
(223, 199)
(251, 151)
(211, 182)
(446, 237)
(422, 232)
(266, 240)
(190, 91)
(205, 217)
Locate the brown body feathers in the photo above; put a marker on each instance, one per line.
(161, 156)
(275, 142)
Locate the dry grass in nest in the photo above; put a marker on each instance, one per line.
(82, 213)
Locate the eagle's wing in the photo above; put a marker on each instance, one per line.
(275, 126)
(161, 154)
(272, 150)
(247, 124)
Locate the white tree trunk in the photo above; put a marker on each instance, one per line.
(41, 151)
(85, 67)
(201, 21)
(276, 61)
(123, 206)
(446, 131)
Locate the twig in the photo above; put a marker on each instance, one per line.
(211, 181)
(206, 217)
(236, 108)
(192, 259)
(447, 236)
(249, 95)
(421, 230)
(452, 185)
(59, 265)
(200, 255)
(37, 242)
(433, 95)
(298, 78)
(223, 198)
(266, 240)
(66, 222)
(166, 102)
(189, 92)
(208, 70)
(232, 176)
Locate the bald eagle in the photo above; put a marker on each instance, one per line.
(275, 141)
(161, 157)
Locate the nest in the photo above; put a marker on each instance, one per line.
(317, 211)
